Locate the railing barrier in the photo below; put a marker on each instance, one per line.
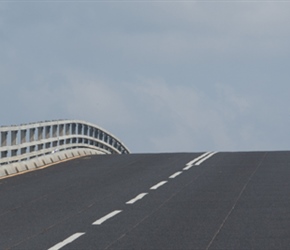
(29, 146)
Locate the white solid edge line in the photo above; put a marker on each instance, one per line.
(138, 197)
(66, 241)
(176, 174)
(204, 159)
(158, 185)
(197, 159)
(108, 216)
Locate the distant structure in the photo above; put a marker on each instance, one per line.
(28, 146)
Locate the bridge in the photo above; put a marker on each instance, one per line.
(202, 200)
(29, 146)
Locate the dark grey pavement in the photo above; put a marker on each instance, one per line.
(150, 201)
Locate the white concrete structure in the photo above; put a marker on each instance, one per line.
(34, 145)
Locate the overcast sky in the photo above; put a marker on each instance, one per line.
(163, 76)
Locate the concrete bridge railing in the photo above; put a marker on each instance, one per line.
(28, 146)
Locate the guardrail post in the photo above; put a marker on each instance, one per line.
(14, 142)
(47, 132)
(39, 138)
(61, 134)
(67, 133)
(4, 138)
(14, 137)
(54, 131)
(73, 128)
(23, 140)
(80, 129)
(86, 130)
(40, 133)
(54, 135)
(31, 134)
(80, 132)
(61, 129)
(47, 136)
(91, 131)
(32, 139)
(67, 128)
(73, 132)
(96, 134)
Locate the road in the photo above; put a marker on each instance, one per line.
(219, 200)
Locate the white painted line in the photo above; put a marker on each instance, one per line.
(66, 241)
(174, 175)
(188, 167)
(204, 159)
(138, 197)
(108, 216)
(197, 159)
(158, 185)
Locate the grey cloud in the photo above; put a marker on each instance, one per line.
(162, 76)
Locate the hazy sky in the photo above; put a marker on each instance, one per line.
(163, 76)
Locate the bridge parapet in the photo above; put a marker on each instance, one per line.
(32, 145)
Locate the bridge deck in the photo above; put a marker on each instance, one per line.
(151, 201)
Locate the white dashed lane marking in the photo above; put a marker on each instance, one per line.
(188, 167)
(108, 216)
(66, 241)
(158, 185)
(195, 162)
(175, 175)
(138, 197)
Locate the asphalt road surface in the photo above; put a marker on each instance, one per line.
(209, 200)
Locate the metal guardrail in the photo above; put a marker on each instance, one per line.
(26, 142)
